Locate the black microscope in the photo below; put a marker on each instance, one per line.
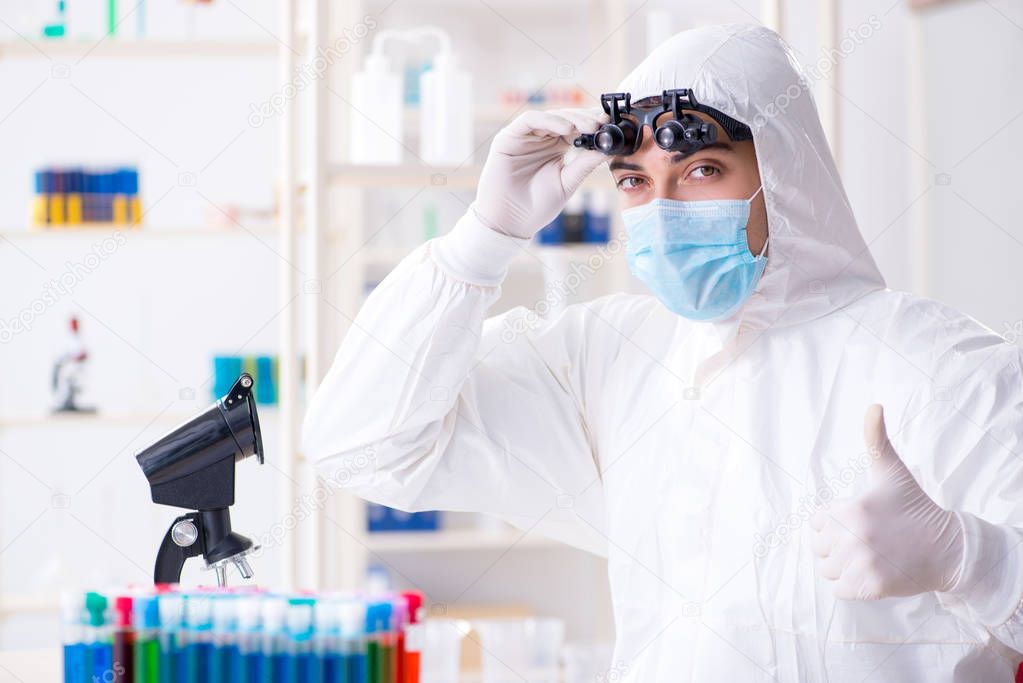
(192, 467)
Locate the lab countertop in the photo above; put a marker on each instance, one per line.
(31, 666)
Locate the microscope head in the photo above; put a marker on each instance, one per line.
(192, 467)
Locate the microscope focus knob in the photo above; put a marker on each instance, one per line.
(184, 533)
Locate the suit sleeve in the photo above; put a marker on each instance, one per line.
(428, 406)
(966, 433)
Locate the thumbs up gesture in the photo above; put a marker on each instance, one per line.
(892, 540)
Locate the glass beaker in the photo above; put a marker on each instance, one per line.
(517, 650)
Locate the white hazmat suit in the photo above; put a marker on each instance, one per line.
(695, 455)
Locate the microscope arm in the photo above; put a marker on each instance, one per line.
(184, 539)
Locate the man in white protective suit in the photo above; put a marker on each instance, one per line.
(722, 442)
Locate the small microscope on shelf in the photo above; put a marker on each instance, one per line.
(192, 467)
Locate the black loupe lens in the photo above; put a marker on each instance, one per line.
(605, 140)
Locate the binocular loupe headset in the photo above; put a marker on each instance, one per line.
(684, 133)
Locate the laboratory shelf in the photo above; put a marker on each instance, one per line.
(405, 175)
(533, 256)
(170, 418)
(453, 540)
(115, 47)
(411, 175)
(97, 229)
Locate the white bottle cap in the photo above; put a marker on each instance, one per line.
(575, 203)
(273, 609)
(352, 617)
(170, 606)
(248, 613)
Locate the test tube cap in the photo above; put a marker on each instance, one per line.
(122, 610)
(171, 606)
(248, 609)
(72, 607)
(351, 615)
(146, 612)
(378, 617)
(96, 604)
(414, 603)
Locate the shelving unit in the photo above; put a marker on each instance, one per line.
(340, 560)
(72, 48)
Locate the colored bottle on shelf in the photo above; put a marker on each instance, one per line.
(553, 233)
(56, 199)
(146, 618)
(76, 649)
(572, 219)
(74, 197)
(597, 227)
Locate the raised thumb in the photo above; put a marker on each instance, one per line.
(876, 437)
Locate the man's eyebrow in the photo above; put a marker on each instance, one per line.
(675, 158)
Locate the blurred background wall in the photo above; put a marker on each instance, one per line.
(922, 106)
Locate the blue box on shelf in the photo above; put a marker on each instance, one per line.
(383, 518)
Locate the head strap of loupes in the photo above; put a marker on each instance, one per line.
(682, 132)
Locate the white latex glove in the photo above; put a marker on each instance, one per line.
(525, 181)
(892, 540)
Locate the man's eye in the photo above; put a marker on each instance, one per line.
(629, 183)
(704, 171)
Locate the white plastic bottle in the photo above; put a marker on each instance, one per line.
(446, 113)
(375, 130)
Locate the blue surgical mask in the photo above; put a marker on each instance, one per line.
(693, 255)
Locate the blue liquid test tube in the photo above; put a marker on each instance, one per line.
(171, 607)
(99, 636)
(352, 615)
(327, 641)
(76, 651)
(249, 653)
(274, 641)
(197, 638)
(302, 665)
(224, 657)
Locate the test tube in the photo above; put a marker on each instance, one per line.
(123, 641)
(273, 664)
(408, 660)
(399, 618)
(225, 640)
(247, 668)
(327, 641)
(302, 659)
(197, 637)
(98, 636)
(146, 617)
(76, 650)
(171, 608)
(379, 643)
(352, 617)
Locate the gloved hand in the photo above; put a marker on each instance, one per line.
(893, 540)
(525, 181)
